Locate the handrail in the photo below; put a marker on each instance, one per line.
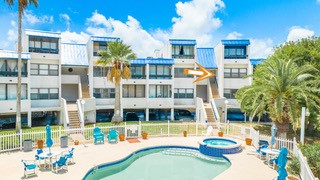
(215, 112)
(80, 112)
(65, 116)
(202, 112)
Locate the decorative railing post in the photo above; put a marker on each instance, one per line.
(125, 129)
(168, 128)
(196, 128)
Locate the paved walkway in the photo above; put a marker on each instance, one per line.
(245, 165)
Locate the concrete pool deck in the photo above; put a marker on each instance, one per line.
(244, 165)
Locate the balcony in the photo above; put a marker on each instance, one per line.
(183, 56)
(12, 74)
(44, 50)
(160, 76)
(138, 76)
(236, 56)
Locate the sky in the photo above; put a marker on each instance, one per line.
(147, 25)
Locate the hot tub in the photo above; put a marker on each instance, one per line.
(219, 146)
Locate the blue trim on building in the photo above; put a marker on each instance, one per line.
(257, 61)
(236, 42)
(185, 42)
(104, 39)
(153, 61)
(37, 33)
(206, 57)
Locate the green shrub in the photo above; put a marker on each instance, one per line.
(294, 166)
(312, 153)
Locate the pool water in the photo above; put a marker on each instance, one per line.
(163, 163)
(219, 142)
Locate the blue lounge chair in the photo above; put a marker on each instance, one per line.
(113, 136)
(30, 167)
(98, 135)
(60, 164)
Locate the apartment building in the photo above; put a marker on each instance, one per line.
(62, 84)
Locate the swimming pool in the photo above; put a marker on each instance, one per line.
(219, 146)
(163, 162)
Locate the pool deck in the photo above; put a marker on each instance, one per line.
(245, 165)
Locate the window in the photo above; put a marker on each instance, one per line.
(179, 73)
(160, 72)
(9, 91)
(45, 69)
(44, 93)
(183, 93)
(235, 52)
(104, 92)
(159, 91)
(182, 52)
(97, 46)
(235, 72)
(9, 68)
(137, 72)
(99, 71)
(229, 93)
(43, 45)
(133, 91)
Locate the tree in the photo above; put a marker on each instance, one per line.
(281, 88)
(117, 57)
(304, 51)
(22, 4)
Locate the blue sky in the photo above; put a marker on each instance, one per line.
(147, 25)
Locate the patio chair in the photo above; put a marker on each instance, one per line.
(60, 164)
(98, 135)
(30, 167)
(209, 131)
(38, 159)
(70, 156)
(113, 136)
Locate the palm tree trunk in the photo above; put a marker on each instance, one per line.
(117, 117)
(18, 116)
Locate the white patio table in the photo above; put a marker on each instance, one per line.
(47, 155)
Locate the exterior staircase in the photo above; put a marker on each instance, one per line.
(210, 115)
(74, 121)
(214, 87)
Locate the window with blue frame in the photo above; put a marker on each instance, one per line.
(9, 68)
(235, 52)
(133, 91)
(9, 91)
(44, 69)
(182, 52)
(160, 72)
(179, 73)
(230, 93)
(99, 71)
(43, 45)
(99, 45)
(137, 72)
(235, 72)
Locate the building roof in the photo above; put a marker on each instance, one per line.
(104, 39)
(206, 57)
(188, 42)
(236, 42)
(31, 32)
(257, 61)
(154, 61)
(74, 55)
(13, 55)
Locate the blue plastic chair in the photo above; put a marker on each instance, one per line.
(38, 159)
(30, 167)
(113, 136)
(70, 156)
(60, 164)
(98, 135)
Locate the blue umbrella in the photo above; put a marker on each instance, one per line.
(281, 162)
(273, 134)
(49, 141)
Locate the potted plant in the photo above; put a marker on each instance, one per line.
(185, 133)
(220, 133)
(121, 137)
(144, 135)
(76, 142)
(248, 141)
(40, 143)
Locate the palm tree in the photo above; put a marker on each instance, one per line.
(22, 4)
(281, 88)
(117, 58)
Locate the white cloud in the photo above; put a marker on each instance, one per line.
(32, 19)
(261, 48)
(318, 1)
(66, 18)
(297, 33)
(73, 37)
(12, 35)
(234, 35)
(196, 20)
